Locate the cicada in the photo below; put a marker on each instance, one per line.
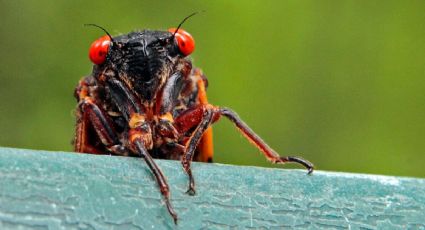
(144, 98)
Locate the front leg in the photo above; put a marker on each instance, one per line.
(268, 152)
(139, 138)
(203, 115)
(91, 116)
(140, 134)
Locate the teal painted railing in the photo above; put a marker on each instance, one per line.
(58, 190)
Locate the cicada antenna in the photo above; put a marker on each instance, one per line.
(107, 33)
(181, 23)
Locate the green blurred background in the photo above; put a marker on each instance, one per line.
(340, 83)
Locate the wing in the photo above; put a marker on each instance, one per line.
(204, 151)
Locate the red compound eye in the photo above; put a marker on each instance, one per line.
(184, 41)
(99, 50)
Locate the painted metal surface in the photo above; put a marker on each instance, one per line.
(58, 190)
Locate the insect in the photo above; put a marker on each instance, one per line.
(145, 99)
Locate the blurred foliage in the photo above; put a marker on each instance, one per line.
(340, 83)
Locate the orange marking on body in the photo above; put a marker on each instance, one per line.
(135, 135)
(80, 137)
(82, 90)
(205, 147)
(168, 116)
(143, 135)
(202, 93)
(136, 120)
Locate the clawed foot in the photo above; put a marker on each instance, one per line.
(191, 191)
(307, 164)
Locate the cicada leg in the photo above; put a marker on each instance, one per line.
(89, 115)
(202, 116)
(140, 135)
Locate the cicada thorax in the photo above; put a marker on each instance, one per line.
(175, 92)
